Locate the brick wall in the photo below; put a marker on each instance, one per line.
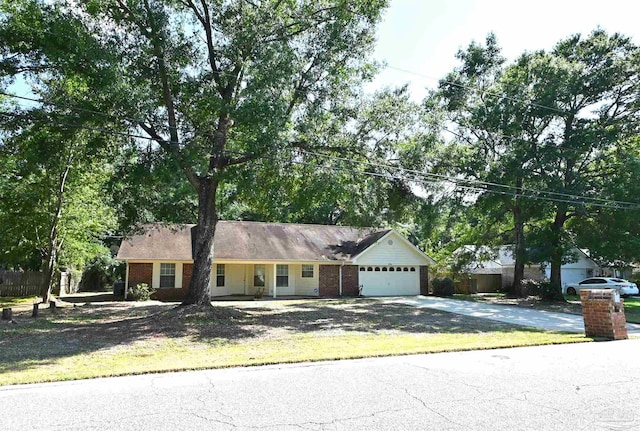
(140, 273)
(329, 280)
(350, 280)
(424, 280)
(603, 315)
(176, 294)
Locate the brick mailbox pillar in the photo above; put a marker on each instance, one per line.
(603, 313)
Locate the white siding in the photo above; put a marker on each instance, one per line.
(396, 253)
(307, 286)
(234, 279)
(281, 290)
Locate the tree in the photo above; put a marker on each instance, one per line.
(217, 83)
(591, 85)
(52, 206)
(486, 105)
(552, 124)
(354, 181)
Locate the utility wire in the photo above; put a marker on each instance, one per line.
(462, 183)
(518, 191)
(469, 87)
(471, 188)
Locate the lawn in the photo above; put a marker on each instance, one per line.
(8, 302)
(115, 338)
(572, 306)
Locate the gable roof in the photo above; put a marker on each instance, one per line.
(241, 240)
(383, 235)
(502, 256)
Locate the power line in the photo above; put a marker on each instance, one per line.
(469, 87)
(72, 107)
(517, 191)
(471, 188)
(473, 185)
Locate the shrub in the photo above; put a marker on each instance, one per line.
(530, 288)
(101, 272)
(443, 286)
(140, 292)
(548, 292)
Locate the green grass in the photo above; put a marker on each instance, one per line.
(8, 302)
(119, 339)
(632, 309)
(163, 355)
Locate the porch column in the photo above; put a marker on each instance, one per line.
(246, 278)
(126, 279)
(275, 278)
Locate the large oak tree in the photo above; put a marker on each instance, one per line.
(214, 83)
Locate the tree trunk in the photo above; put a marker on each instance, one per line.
(519, 253)
(556, 256)
(198, 292)
(519, 250)
(52, 246)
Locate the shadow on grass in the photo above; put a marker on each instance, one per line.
(93, 327)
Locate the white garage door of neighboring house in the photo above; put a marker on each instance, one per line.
(389, 280)
(573, 275)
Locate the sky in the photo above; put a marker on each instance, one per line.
(423, 36)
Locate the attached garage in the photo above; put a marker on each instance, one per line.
(392, 266)
(389, 280)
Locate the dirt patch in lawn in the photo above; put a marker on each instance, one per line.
(92, 327)
(113, 338)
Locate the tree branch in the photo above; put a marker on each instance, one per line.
(172, 148)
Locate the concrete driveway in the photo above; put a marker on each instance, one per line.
(503, 313)
(585, 386)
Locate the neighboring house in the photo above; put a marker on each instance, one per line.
(280, 259)
(496, 273)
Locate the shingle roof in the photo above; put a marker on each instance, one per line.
(241, 240)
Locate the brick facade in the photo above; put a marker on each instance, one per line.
(603, 315)
(329, 280)
(424, 280)
(176, 294)
(350, 280)
(140, 273)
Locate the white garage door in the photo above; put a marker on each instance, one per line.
(573, 275)
(389, 280)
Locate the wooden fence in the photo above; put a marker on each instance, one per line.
(18, 283)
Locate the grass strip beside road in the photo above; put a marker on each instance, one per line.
(88, 343)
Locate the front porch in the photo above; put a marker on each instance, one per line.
(274, 279)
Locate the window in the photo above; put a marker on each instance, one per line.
(413, 269)
(369, 269)
(377, 268)
(384, 268)
(220, 275)
(405, 269)
(307, 271)
(362, 268)
(282, 275)
(167, 275)
(258, 275)
(392, 269)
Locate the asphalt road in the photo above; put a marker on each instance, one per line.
(586, 386)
